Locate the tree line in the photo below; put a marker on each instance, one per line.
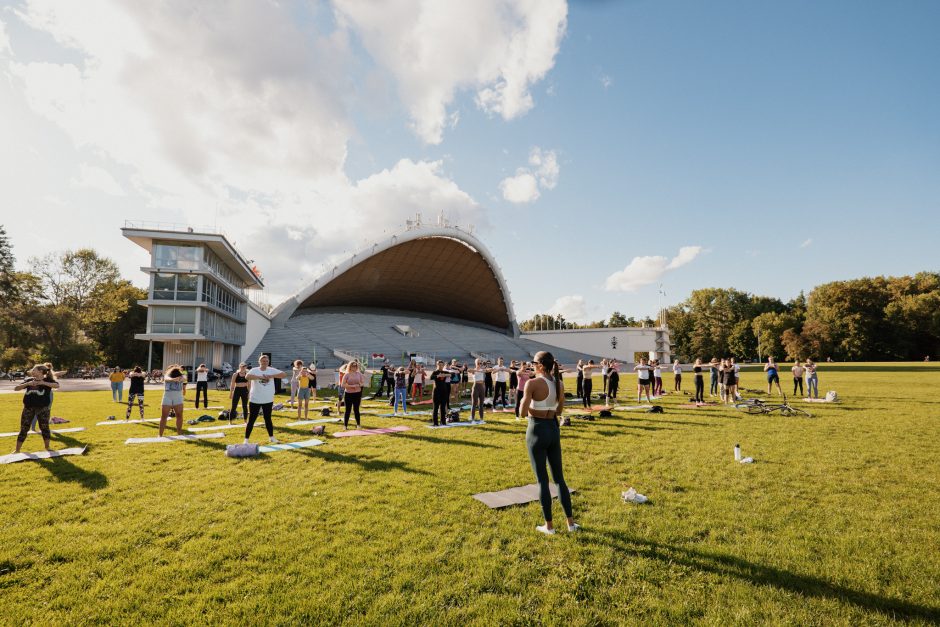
(867, 319)
(548, 322)
(71, 308)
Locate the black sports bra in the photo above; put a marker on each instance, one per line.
(240, 379)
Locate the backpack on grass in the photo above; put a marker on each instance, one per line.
(655, 409)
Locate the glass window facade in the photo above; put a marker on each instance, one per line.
(175, 286)
(215, 264)
(218, 327)
(214, 294)
(177, 256)
(172, 319)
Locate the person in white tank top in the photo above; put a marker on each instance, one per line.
(542, 403)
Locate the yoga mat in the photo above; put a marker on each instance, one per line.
(631, 407)
(427, 402)
(173, 438)
(600, 407)
(698, 405)
(514, 496)
(817, 400)
(203, 408)
(356, 432)
(127, 422)
(31, 432)
(312, 422)
(12, 458)
(272, 448)
(195, 429)
(456, 424)
(410, 413)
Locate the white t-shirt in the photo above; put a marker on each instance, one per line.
(262, 391)
(737, 369)
(501, 376)
(202, 376)
(477, 376)
(658, 372)
(677, 368)
(643, 373)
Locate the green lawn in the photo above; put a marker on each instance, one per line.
(838, 522)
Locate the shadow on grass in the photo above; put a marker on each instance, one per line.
(365, 464)
(437, 440)
(761, 575)
(63, 470)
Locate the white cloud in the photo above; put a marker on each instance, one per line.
(240, 110)
(525, 185)
(521, 188)
(606, 81)
(572, 308)
(94, 177)
(5, 48)
(498, 48)
(647, 270)
(807, 243)
(545, 165)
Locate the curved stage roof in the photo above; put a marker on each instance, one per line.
(439, 271)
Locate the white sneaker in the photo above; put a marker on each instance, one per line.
(272, 440)
(544, 529)
(246, 441)
(574, 527)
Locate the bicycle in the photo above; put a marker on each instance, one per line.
(758, 406)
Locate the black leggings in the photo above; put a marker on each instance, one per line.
(699, 389)
(477, 396)
(586, 390)
(543, 439)
(579, 390)
(613, 384)
(678, 381)
(242, 395)
(265, 409)
(499, 396)
(202, 386)
(352, 403)
(441, 400)
(797, 382)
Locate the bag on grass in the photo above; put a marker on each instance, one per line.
(655, 409)
(605, 413)
(453, 416)
(831, 396)
(205, 418)
(277, 406)
(224, 415)
(325, 411)
(566, 422)
(318, 430)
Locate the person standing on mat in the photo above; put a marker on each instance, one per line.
(478, 391)
(812, 379)
(202, 385)
(677, 375)
(513, 381)
(417, 386)
(579, 388)
(117, 385)
(401, 390)
(312, 373)
(773, 375)
(303, 392)
(174, 383)
(797, 378)
(613, 380)
(488, 380)
(296, 367)
(525, 375)
(239, 392)
(604, 374)
(441, 380)
(587, 385)
(36, 403)
(699, 382)
(352, 384)
(501, 376)
(656, 380)
(261, 396)
(136, 391)
(643, 378)
(713, 374)
(543, 402)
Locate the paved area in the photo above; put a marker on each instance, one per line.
(76, 385)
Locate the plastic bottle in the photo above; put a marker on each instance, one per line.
(737, 452)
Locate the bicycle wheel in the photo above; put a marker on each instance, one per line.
(802, 413)
(756, 408)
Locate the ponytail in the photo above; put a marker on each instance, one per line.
(559, 386)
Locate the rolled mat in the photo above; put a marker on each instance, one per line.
(357, 432)
(174, 438)
(287, 446)
(515, 496)
(407, 413)
(12, 458)
(71, 430)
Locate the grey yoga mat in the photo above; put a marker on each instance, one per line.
(514, 496)
(22, 457)
(69, 430)
(173, 438)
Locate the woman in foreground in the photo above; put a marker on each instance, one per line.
(542, 401)
(174, 386)
(36, 403)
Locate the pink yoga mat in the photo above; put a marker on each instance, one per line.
(355, 432)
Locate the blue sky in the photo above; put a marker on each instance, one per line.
(780, 145)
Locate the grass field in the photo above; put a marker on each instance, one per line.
(837, 522)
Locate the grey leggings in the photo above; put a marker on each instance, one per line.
(477, 394)
(543, 439)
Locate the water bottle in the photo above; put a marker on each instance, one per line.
(737, 452)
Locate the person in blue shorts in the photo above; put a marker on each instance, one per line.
(773, 375)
